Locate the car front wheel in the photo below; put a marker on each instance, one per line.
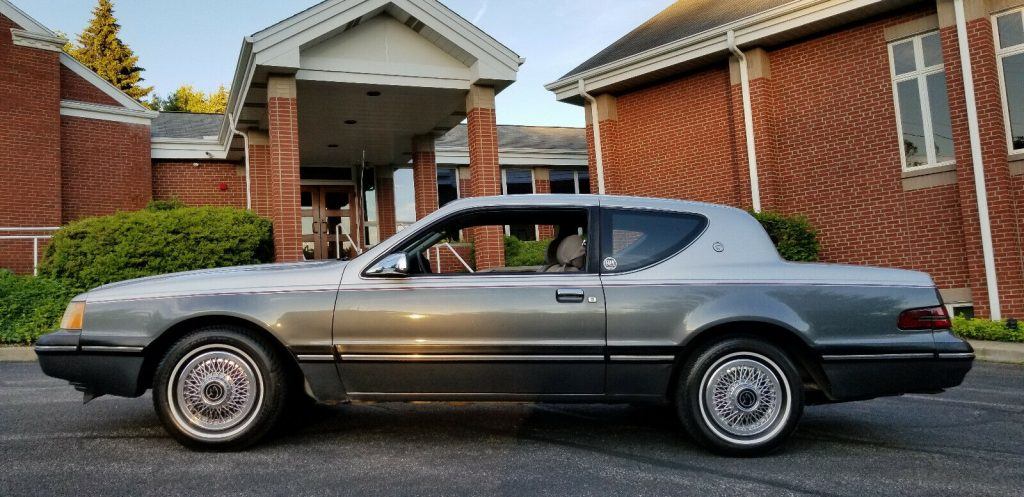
(220, 388)
(740, 396)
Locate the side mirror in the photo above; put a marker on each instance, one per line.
(392, 266)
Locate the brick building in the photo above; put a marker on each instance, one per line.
(856, 114)
(338, 118)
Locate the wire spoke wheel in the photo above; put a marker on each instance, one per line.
(215, 391)
(745, 398)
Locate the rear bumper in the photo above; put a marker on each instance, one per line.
(93, 369)
(856, 377)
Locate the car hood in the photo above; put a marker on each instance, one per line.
(238, 279)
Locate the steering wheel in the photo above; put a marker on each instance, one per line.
(424, 264)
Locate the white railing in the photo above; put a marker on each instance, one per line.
(337, 238)
(35, 240)
(437, 254)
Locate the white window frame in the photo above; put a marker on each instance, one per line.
(458, 187)
(575, 177)
(921, 76)
(1002, 53)
(533, 186)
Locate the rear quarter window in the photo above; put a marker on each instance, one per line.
(633, 239)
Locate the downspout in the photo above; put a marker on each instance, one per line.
(980, 189)
(597, 137)
(248, 187)
(748, 120)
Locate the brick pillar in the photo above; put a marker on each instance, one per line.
(1001, 201)
(282, 114)
(385, 202)
(259, 172)
(542, 184)
(608, 120)
(485, 174)
(424, 175)
(762, 107)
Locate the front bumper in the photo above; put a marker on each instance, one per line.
(95, 370)
(865, 376)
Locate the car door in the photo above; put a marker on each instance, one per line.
(471, 335)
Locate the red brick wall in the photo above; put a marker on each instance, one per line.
(385, 206)
(75, 87)
(827, 148)
(105, 167)
(200, 185)
(424, 176)
(284, 168)
(443, 261)
(485, 180)
(29, 143)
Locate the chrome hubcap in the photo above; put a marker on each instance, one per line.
(743, 397)
(215, 391)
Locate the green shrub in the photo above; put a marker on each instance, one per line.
(793, 236)
(984, 329)
(524, 253)
(29, 307)
(163, 239)
(165, 205)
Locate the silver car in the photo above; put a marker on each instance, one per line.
(638, 300)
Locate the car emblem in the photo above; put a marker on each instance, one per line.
(610, 263)
(718, 247)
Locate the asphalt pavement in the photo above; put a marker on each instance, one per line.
(968, 441)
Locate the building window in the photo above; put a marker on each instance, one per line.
(1009, 28)
(518, 182)
(447, 185)
(405, 198)
(371, 221)
(570, 181)
(922, 107)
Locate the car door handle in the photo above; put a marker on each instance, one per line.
(569, 295)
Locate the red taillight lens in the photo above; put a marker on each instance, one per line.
(928, 318)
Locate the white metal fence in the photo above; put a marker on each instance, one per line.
(29, 233)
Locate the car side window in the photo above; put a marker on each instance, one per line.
(632, 239)
(453, 247)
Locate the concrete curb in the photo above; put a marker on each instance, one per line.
(998, 351)
(17, 354)
(983, 349)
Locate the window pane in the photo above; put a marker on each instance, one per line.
(1013, 84)
(447, 189)
(405, 199)
(584, 177)
(932, 50)
(1011, 30)
(563, 181)
(518, 181)
(634, 239)
(913, 125)
(938, 104)
(903, 57)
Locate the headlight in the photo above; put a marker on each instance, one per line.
(72, 319)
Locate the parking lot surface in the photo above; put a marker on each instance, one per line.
(968, 441)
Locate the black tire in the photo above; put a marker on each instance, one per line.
(220, 388)
(739, 397)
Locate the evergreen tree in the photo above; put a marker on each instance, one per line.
(100, 49)
(188, 99)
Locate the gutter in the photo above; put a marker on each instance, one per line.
(980, 189)
(597, 136)
(748, 120)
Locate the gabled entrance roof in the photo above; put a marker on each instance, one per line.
(317, 45)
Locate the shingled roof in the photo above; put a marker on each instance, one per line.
(523, 137)
(186, 125)
(680, 20)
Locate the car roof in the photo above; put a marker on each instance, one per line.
(567, 200)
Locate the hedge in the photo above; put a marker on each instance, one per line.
(29, 307)
(525, 253)
(163, 238)
(793, 236)
(984, 329)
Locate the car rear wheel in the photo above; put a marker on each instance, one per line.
(219, 388)
(740, 396)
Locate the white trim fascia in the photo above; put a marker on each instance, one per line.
(10, 11)
(23, 38)
(516, 156)
(187, 148)
(748, 30)
(382, 79)
(103, 85)
(74, 108)
(245, 69)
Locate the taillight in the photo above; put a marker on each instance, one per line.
(927, 318)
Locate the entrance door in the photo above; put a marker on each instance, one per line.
(330, 222)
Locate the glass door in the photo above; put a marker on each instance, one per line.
(330, 222)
